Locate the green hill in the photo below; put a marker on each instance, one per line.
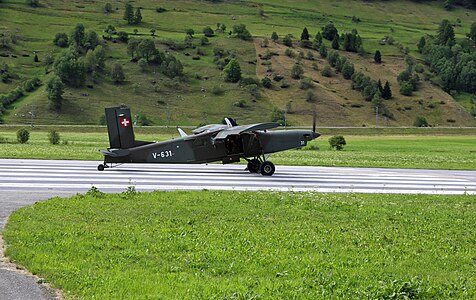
(201, 95)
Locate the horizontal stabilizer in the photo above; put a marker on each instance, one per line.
(182, 133)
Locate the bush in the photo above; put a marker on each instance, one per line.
(327, 71)
(54, 137)
(306, 83)
(23, 135)
(266, 82)
(337, 142)
(420, 122)
(217, 90)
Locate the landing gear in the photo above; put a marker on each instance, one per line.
(261, 165)
(267, 168)
(101, 167)
(253, 165)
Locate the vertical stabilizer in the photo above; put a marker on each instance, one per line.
(119, 127)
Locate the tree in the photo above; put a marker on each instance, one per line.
(445, 34)
(305, 35)
(77, 37)
(421, 44)
(318, 39)
(297, 71)
(323, 51)
(55, 90)
(472, 33)
(129, 14)
(348, 70)
(329, 31)
(132, 45)
(274, 36)
(378, 57)
(208, 31)
(241, 32)
(232, 71)
(387, 92)
(190, 32)
(33, 3)
(287, 41)
(335, 42)
(117, 74)
(123, 36)
(70, 69)
(138, 16)
(54, 137)
(61, 40)
(142, 63)
(146, 49)
(23, 135)
(91, 40)
(420, 122)
(337, 142)
(108, 8)
(377, 99)
(406, 88)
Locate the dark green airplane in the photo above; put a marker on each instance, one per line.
(226, 143)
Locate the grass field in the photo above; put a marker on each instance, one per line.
(231, 245)
(189, 100)
(406, 148)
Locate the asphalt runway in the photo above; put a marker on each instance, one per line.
(24, 182)
(79, 176)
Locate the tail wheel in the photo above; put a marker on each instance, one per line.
(253, 166)
(267, 168)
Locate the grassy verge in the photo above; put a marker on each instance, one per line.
(177, 245)
(412, 150)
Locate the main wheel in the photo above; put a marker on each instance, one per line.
(267, 168)
(253, 166)
(101, 167)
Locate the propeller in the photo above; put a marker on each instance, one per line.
(314, 117)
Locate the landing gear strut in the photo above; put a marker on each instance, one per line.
(261, 165)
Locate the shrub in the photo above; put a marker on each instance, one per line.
(337, 142)
(327, 71)
(420, 122)
(306, 83)
(310, 96)
(54, 137)
(217, 90)
(23, 135)
(266, 82)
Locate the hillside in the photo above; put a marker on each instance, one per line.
(201, 95)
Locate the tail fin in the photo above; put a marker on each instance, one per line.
(119, 127)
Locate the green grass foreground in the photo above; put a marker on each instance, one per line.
(234, 245)
(409, 148)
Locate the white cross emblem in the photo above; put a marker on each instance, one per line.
(125, 122)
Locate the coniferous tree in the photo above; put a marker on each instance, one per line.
(380, 87)
(445, 34)
(329, 31)
(77, 37)
(472, 33)
(138, 16)
(378, 57)
(318, 39)
(305, 35)
(421, 44)
(323, 51)
(387, 92)
(274, 36)
(335, 42)
(129, 14)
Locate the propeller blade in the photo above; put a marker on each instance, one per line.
(314, 117)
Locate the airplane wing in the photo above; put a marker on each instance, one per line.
(246, 128)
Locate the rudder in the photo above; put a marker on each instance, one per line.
(119, 127)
